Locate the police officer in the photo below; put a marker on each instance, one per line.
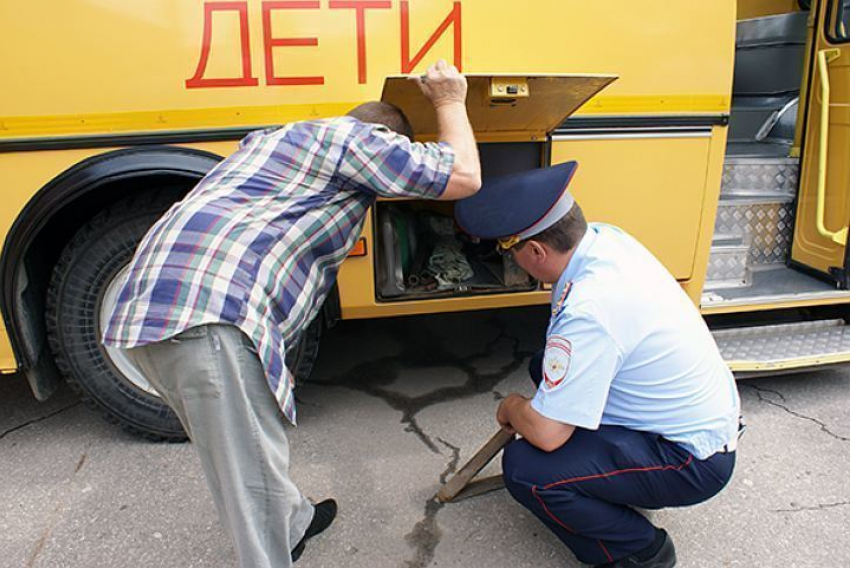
(634, 404)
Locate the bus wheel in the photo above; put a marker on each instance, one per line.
(83, 289)
(301, 358)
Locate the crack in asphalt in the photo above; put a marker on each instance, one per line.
(45, 536)
(56, 516)
(81, 462)
(38, 419)
(819, 507)
(426, 534)
(423, 350)
(760, 391)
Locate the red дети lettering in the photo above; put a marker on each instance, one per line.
(270, 42)
(246, 80)
(408, 65)
(361, 6)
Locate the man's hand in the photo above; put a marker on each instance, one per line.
(445, 88)
(502, 413)
(515, 414)
(443, 84)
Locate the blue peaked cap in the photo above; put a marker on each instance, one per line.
(517, 206)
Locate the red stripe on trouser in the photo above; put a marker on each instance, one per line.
(605, 550)
(600, 476)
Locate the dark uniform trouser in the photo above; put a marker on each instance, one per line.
(586, 490)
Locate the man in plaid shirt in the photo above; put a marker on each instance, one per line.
(232, 274)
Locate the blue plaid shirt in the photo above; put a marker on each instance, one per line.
(258, 242)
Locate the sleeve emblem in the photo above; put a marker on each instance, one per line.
(556, 361)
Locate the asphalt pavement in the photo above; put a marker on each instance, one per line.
(394, 408)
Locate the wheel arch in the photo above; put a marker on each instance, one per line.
(51, 218)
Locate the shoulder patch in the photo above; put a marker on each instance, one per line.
(563, 298)
(556, 360)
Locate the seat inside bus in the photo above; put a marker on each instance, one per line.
(769, 54)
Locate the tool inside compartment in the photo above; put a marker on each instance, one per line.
(422, 253)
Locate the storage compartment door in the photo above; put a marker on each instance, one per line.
(653, 187)
(502, 107)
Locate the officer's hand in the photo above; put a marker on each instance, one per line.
(443, 84)
(502, 417)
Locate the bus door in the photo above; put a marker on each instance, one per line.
(823, 208)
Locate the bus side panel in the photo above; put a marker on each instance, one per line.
(651, 187)
(136, 67)
(7, 358)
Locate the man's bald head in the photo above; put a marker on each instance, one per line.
(383, 113)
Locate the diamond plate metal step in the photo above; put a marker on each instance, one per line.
(774, 284)
(728, 267)
(778, 175)
(784, 346)
(765, 221)
(756, 203)
(755, 219)
(727, 264)
(727, 239)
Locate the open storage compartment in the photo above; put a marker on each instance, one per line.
(421, 253)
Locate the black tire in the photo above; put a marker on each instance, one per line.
(301, 359)
(96, 254)
(92, 259)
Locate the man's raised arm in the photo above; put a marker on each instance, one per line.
(445, 87)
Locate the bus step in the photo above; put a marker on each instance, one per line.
(727, 239)
(728, 264)
(765, 219)
(761, 350)
(762, 173)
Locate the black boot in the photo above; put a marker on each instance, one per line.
(660, 554)
(323, 516)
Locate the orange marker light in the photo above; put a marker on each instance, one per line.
(359, 248)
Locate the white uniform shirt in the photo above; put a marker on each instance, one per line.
(626, 346)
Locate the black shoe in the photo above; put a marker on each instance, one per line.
(665, 557)
(323, 515)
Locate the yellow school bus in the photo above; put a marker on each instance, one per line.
(715, 132)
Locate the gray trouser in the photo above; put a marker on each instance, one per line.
(212, 377)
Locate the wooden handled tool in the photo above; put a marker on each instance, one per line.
(453, 487)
